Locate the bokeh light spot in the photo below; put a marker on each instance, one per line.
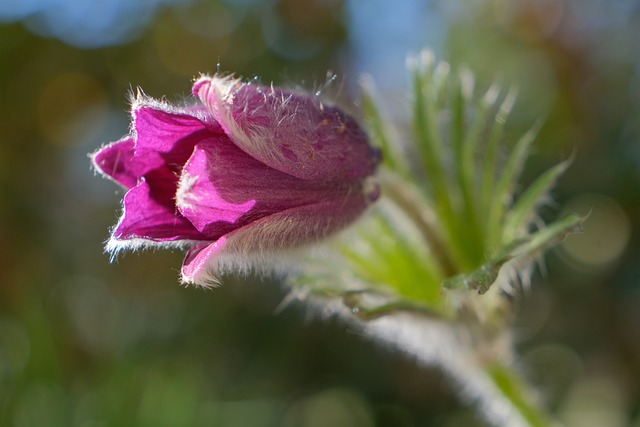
(606, 232)
(212, 20)
(595, 401)
(553, 368)
(184, 53)
(532, 20)
(82, 23)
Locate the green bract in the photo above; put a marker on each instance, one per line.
(454, 232)
(450, 217)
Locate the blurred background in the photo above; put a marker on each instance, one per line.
(84, 342)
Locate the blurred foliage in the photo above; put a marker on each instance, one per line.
(453, 238)
(575, 62)
(85, 342)
(449, 218)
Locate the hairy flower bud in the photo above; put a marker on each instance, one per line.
(249, 171)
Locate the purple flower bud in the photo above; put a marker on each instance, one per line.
(249, 171)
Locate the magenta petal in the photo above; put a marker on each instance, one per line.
(166, 139)
(201, 112)
(284, 230)
(292, 132)
(298, 226)
(251, 171)
(116, 161)
(222, 188)
(159, 131)
(161, 139)
(198, 197)
(197, 262)
(148, 216)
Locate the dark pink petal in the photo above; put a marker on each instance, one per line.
(222, 188)
(166, 139)
(160, 139)
(199, 196)
(291, 132)
(194, 266)
(251, 171)
(289, 229)
(298, 226)
(149, 214)
(201, 112)
(116, 161)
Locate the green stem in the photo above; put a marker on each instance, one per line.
(516, 391)
(353, 300)
(421, 214)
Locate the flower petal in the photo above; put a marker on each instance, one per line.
(161, 138)
(281, 231)
(292, 132)
(195, 265)
(149, 213)
(199, 196)
(298, 226)
(116, 161)
(222, 188)
(166, 138)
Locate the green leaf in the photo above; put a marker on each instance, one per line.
(426, 126)
(550, 235)
(503, 195)
(387, 255)
(429, 86)
(468, 174)
(479, 279)
(491, 156)
(525, 207)
(418, 210)
(391, 155)
(482, 278)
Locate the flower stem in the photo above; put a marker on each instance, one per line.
(515, 390)
(417, 209)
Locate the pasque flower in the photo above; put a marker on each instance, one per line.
(248, 171)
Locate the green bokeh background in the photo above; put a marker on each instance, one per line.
(87, 343)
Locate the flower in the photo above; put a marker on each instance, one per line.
(248, 171)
